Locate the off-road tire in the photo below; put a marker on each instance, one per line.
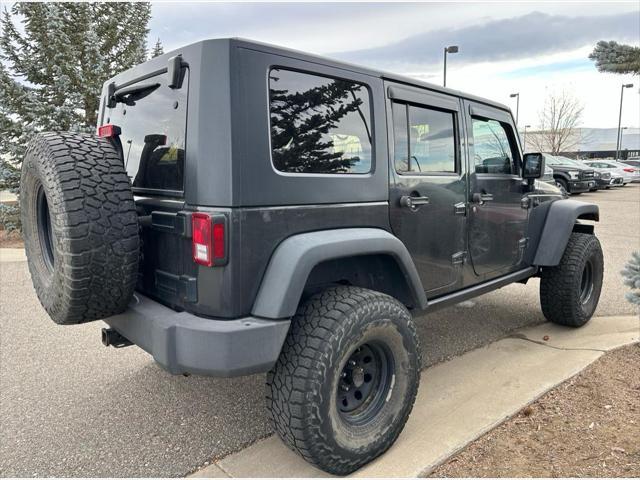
(79, 225)
(563, 296)
(302, 388)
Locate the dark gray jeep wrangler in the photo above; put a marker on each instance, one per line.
(246, 208)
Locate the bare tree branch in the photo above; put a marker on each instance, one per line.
(558, 121)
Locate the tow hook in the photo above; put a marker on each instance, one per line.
(111, 337)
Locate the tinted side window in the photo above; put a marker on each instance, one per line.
(424, 140)
(493, 152)
(319, 124)
(400, 137)
(153, 124)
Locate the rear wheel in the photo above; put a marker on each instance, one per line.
(79, 225)
(346, 379)
(569, 292)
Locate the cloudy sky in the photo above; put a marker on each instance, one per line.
(526, 47)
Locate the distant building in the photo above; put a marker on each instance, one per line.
(595, 143)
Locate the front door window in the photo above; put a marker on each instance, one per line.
(492, 149)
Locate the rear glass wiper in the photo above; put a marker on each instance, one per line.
(130, 94)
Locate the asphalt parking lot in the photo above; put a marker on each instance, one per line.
(70, 407)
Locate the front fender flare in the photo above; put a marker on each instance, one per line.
(558, 225)
(294, 259)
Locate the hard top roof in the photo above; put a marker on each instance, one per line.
(265, 47)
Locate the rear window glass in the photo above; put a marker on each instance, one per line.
(153, 124)
(319, 124)
(424, 140)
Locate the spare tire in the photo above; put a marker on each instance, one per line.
(79, 225)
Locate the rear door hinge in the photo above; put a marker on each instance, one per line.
(458, 258)
(523, 243)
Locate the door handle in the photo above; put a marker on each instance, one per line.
(480, 198)
(413, 202)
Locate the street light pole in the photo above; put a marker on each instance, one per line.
(449, 49)
(517, 95)
(524, 138)
(627, 85)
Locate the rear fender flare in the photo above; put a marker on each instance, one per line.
(294, 259)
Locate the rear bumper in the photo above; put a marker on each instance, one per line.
(184, 343)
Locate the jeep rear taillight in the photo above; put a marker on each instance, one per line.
(208, 239)
(218, 241)
(108, 131)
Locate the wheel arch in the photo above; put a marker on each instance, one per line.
(560, 221)
(365, 257)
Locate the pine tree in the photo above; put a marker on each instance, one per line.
(157, 49)
(614, 57)
(52, 69)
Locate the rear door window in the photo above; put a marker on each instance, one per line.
(153, 124)
(424, 140)
(319, 124)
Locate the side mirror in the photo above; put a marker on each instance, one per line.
(532, 166)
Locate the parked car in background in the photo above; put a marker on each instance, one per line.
(633, 162)
(628, 172)
(547, 185)
(571, 175)
(547, 177)
(607, 178)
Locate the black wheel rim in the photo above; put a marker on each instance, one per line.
(586, 282)
(364, 383)
(45, 232)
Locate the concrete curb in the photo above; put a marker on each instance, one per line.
(459, 400)
(8, 255)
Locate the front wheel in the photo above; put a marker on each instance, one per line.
(563, 186)
(569, 292)
(346, 379)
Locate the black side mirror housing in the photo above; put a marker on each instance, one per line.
(532, 166)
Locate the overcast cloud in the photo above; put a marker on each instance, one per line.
(527, 47)
(533, 34)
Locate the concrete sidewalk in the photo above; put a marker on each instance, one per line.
(12, 255)
(459, 400)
